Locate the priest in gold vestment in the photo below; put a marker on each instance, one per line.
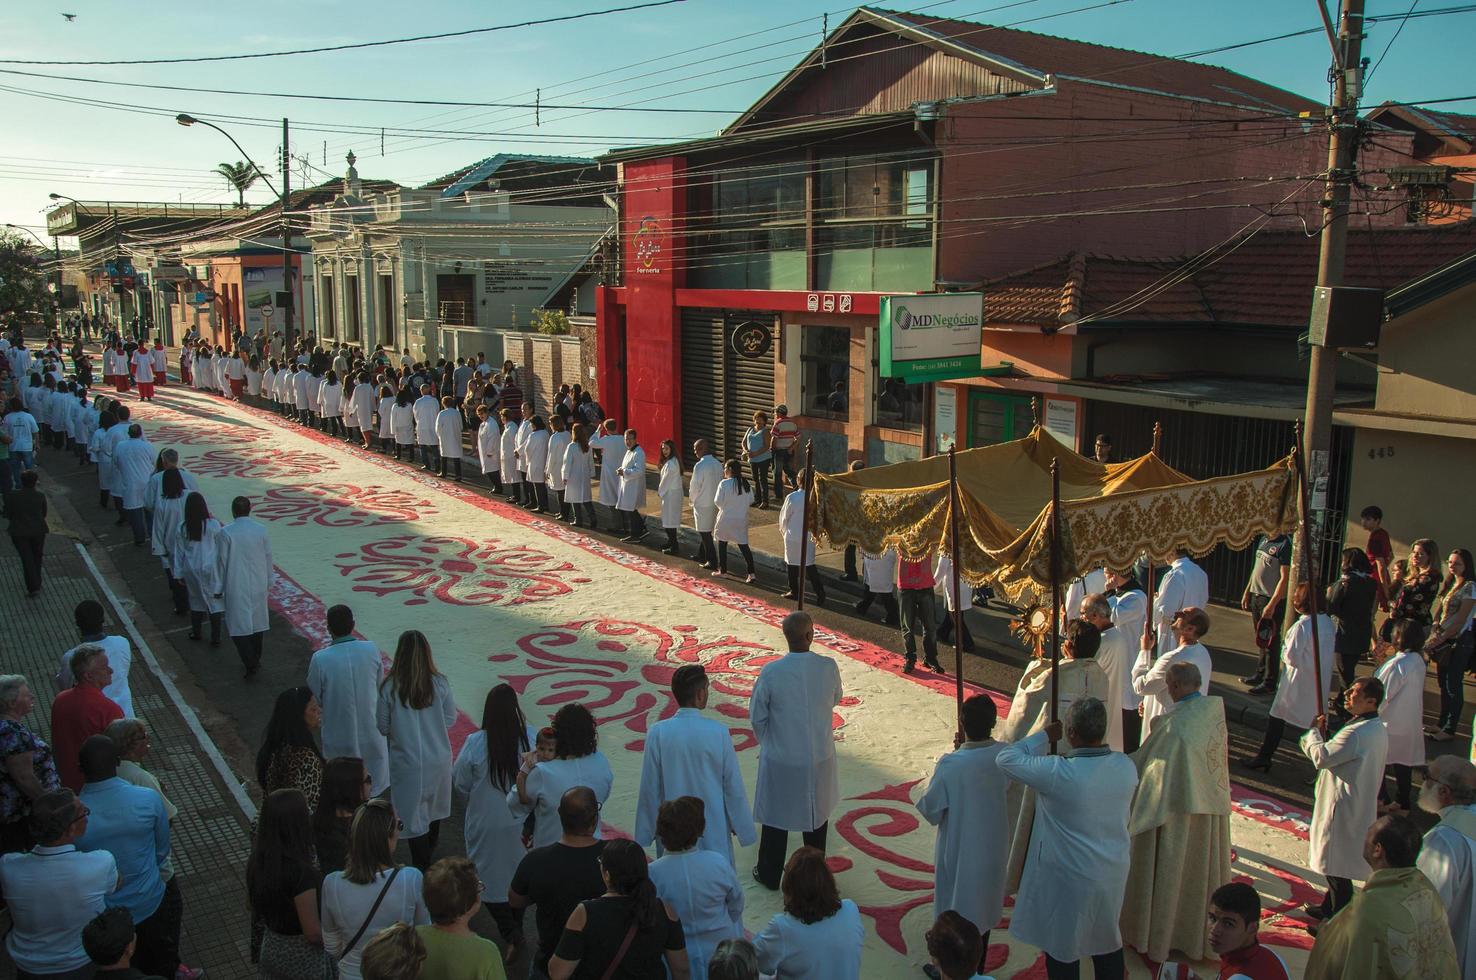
(1180, 823)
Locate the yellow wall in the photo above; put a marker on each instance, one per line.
(1426, 360)
(1424, 485)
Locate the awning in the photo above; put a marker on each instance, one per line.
(1111, 514)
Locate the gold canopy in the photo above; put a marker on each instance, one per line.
(1111, 513)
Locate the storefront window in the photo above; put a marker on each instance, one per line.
(825, 363)
(899, 405)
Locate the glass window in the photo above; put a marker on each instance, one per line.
(825, 370)
(899, 405)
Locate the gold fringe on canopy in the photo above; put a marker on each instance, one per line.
(1111, 514)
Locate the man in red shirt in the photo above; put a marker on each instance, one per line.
(1379, 550)
(81, 711)
(783, 436)
(1234, 918)
(915, 581)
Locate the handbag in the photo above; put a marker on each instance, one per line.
(370, 917)
(630, 935)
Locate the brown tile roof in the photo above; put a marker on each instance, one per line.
(1061, 56)
(1267, 281)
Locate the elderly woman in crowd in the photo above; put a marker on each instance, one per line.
(28, 770)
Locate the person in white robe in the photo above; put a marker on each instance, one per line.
(632, 474)
(362, 409)
(402, 423)
(611, 446)
(233, 372)
(168, 519)
(943, 579)
(524, 428)
(489, 447)
(577, 762)
(419, 743)
(692, 755)
(1448, 857)
(196, 561)
(117, 435)
(330, 403)
(512, 480)
(1298, 699)
(965, 800)
(734, 497)
(669, 492)
(385, 410)
(186, 365)
(578, 476)
(707, 473)
(269, 382)
(246, 579)
(559, 438)
(879, 581)
(699, 884)
(533, 459)
(1150, 674)
(1184, 586)
(1071, 893)
(1082, 586)
(161, 364)
(448, 437)
(134, 459)
(344, 676)
(798, 783)
(1350, 771)
(100, 450)
(253, 378)
(142, 363)
(425, 409)
(799, 545)
(1401, 668)
(1115, 655)
(302, 381)
(1129, 614)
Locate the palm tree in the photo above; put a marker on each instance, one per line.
(240, 176)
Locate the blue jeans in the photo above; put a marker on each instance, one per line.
(783, 463)
(20, 461)
(7, 477)
(1452, 676)
(428, 456)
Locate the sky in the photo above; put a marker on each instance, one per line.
(691, 54)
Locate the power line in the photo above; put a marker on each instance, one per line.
(352, 47)
(1397, 31)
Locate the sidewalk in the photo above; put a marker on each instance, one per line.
(210, 834)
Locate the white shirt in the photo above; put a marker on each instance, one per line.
(1298, 701)
(419, 755)
(493, 829)
(245, 575)
(830, 949)
(706, 476)
(879, 572)
(133, 464)
(448, 433)
(632, 480)
(732, 511)
(612, 454)
(425, 409)
(791, 708)
(344, 676)
(703, 890)
(346, 905)
(1129, 612)
(578, 468)
(690, 755)
(1115, 656)
(1150, 679)
(791, 530)
(965, 800)
(120, 658)
(548, 782)
(1403, 710)
(53, 892)
(1350, 769)
(489, 449)
(1184, 585)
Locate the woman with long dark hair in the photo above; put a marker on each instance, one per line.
(415, 712)
(578, 468)
(168, 506)
(669, 492)
(734, 497)
(1350, 602)
(99, 447)
(330, 403)
(819, 934)
(289, 756)
(577, 761)
(195, 559)
(386, 418)
(345, 787)
(282, 884)
(625, 934)
(535, 453)
(486, 770)
(371, 892)
(402, 423)
(1419, 590)
(1450, 642)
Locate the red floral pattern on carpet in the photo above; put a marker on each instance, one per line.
(459, 571)
(258, 464)
(341, 505)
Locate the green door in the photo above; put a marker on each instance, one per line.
(996, 417)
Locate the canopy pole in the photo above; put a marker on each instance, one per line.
(1148, 622)
(805, 521)
(1157, 437)
(1055, 591)
(1309, 572)
(958, 628)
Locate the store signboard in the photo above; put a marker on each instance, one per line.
(932, 336)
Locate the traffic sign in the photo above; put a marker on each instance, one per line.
(267, 311)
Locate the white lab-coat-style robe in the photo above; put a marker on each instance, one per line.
(99, 449)
(1129, 612)
(489, 445)
(330, 399)
(1403, 710)
(1150, 678)
(425, 409)
(1184, 585)
(509, 448)
(632, 480)
(269, 383)
(547, 784)
(344, 676)
(1350, 769)
(133, 464)
(402, 423)
(302, 383)
(965, 800)
(161, 362)
(578, 463)
(1448, 859)
(791, 707)
(534, 459)
(830, 949)
(419, 755)
(1115, 656)
(361, 404)
(732, 511)
(791, 530)
(879, 572)
(690, 755)
(702, 888)
(1091, 583)
(520, 445)
(168, 524)
(558, 446)
(706, 476)
(386, 418)
(246, 576)
(448, 433)
(1076, 869)
(669, 491)
(198, 564)
(1298, 701)
(612, 454)
(494, 831)
(943, 577)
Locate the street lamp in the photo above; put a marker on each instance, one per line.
(56, 256)
(185, 119)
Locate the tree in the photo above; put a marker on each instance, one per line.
(23, 294)
(551, 322)
(240, 176)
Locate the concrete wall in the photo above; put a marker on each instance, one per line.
(1423, 483)
(1427, 360)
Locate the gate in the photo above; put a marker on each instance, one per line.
(721, 389)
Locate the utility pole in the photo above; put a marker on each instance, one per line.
(288, 293)
(1342, 150)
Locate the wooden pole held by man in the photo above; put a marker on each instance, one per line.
(1309, 569)
(805, 521)
(955, 516)
(1055, 591)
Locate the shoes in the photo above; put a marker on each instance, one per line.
(708, 565)
(750, 579)
(1261, 689)
(1316, 911)
(1254, 680)
(931, 972)
(717, 573)
(854, 578)
(789, 595)
(772, 888)
(1441, 736)
(249, 673)
(820, 601)
(668, 551)
(183, 972)
(934, 666)
(1264, 765)
(194, 635)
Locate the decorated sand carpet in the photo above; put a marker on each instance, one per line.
(504, 595)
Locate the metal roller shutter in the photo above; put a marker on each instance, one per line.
(702, 380)
(750, 386)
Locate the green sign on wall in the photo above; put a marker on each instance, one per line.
(932, 336)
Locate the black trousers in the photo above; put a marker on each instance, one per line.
(850, 562)
(197, 619)
(1402, 776)
(1105, 966)
(1275, 730)
(423, 847)
(722, 548)
(32, 549)
(774, 849)
(1132, 730)
(706, 550)
(248, 648)
(1268, 666)
(157, 953)
(509, 921)
(539, 495)
(945, 631)
(584, 514)
(635, 524)
(812, 579)
(1339, 894)
(495, 478)
(557, 499)
(455, 462)
(889, 604)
